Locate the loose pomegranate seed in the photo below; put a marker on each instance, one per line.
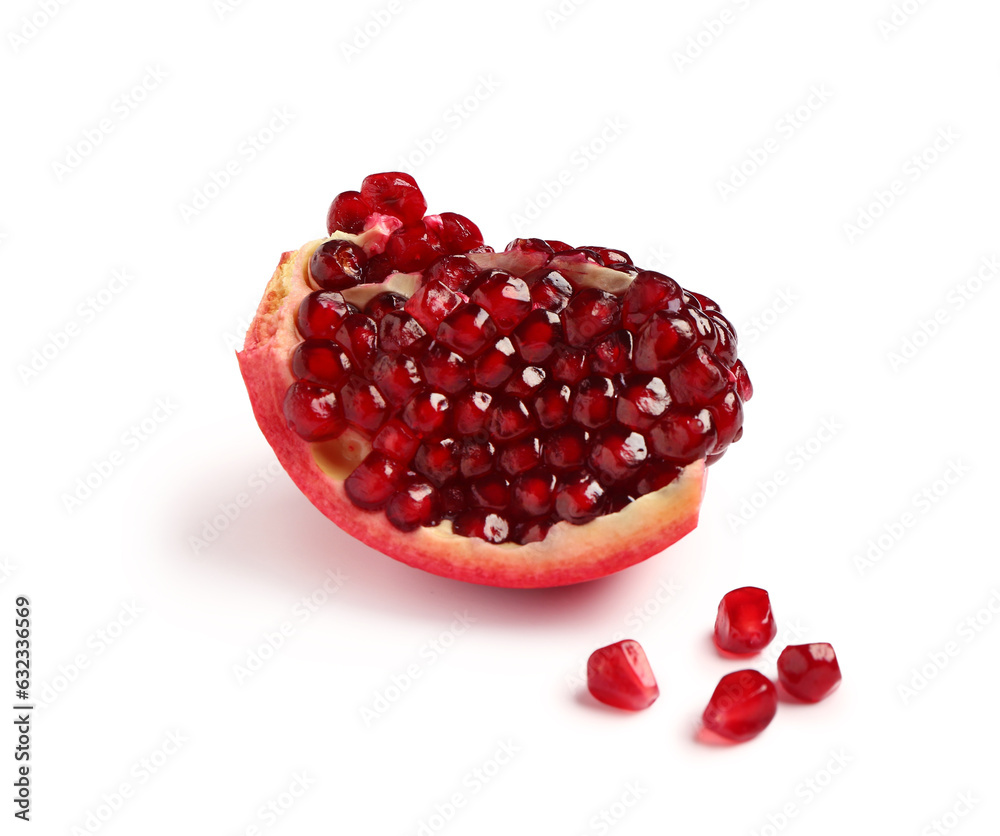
(363, 404)
(437, 460)
(594, 402)
(697, 378)
(809, 672)
(579, 498)
(510, 419)
(314, 413)
(536, 337)
(533, 493)
(683, 436)
(648, 293)
(454, 271)
(414, 505)
(495, 366)
(472, 413)
(620, 675)
(347, 213)
(397, 377)
(374, 481)
(662, 339)
(322, 362)
(378, 306)
(612, 354)
(642, 402)
(566, 449)
(519, 456)
(526, 382)
(491, 492)
(358, 336)
(394, 193)
(551, 406)
(432, 303)
(744, 623)
(742, 706)
(476, 459)
(397, 441)
(427, 413)
(398, 332)
(467, 330)
(550, 290)
(616, 454)
(412, 247)
(321, 313)
(590, 314)
(445, 370)
(337, 265)
(488, 526)
(504, 297)
(456, 233)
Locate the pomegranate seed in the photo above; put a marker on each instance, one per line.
(809, 672)
(533, 493)
(437, 460)
(454, 271)
(427, 413)
(432, 303)
(519, 456)
(617, 454)
(725, 343)
(528, 245)
(551, 406)
(412, 247)
(594, 402)
(491, 492)
(456, 232)
(742, 705)
(373, 482)
(488, 526)
(322, 362)
(558, 246)
(445, 370)
(649, 292)
(510, 419)
(706, 303)
(378, 269)
(566, 449)
(662, 339)
(590, 314)
(397, 441)
(620, 675)
(321, 313)
(683, 436)
(656, 475)
(337, 265)
(728, 414)
(495, 365)
(364, 405)
(533, 531)
(454, 500)
(612, 354)
(397, 377)
(743, 384)
(314, 413)
(358, 336)
(414, 505)
(642, 402)
(536, 337)
(744, 623)
(569, 365)
(467, 330)
(526, 383)
(610, 257)
(550, 289)
(476, 459)
(697, 378)
(378, 306)
(347, 213)
(398, 333)
(394, 193)
(472, 413)
(579, 498)
(504, 297)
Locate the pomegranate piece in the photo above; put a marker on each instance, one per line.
(742, 705)
(620, 675)
(809, 672)
(744, 623)
(348, 213)
(394, 193)
(337, 265)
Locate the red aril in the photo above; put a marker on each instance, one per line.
(742, 705)
(809, 672)
(620, 675)
(744, 623)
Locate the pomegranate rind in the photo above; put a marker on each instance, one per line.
(569, 554)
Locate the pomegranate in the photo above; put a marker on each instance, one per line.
(620, 675)
(527, 418)
(745, 623)
(809, 672)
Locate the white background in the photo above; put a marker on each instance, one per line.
(503, 99)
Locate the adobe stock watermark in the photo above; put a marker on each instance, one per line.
(885, 197)
(793, 463)
(454, 117)
(785, 127)
(129, 443)
(805, 793)
(268, 814)
(121, 108)
(955, 300)
(970, 628)
(658, 258)
(247, 151)
(429, 653)
(367, 32)
(229, 511)
(921, 503)
(708, 34)
(95, 645)
(898, 17)
(31, 25)
(472, 784)
(755, 327)
(63, 336)
(258, 656)
(580, 159)
(614, 813)
(140, 773)
(950, 819)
